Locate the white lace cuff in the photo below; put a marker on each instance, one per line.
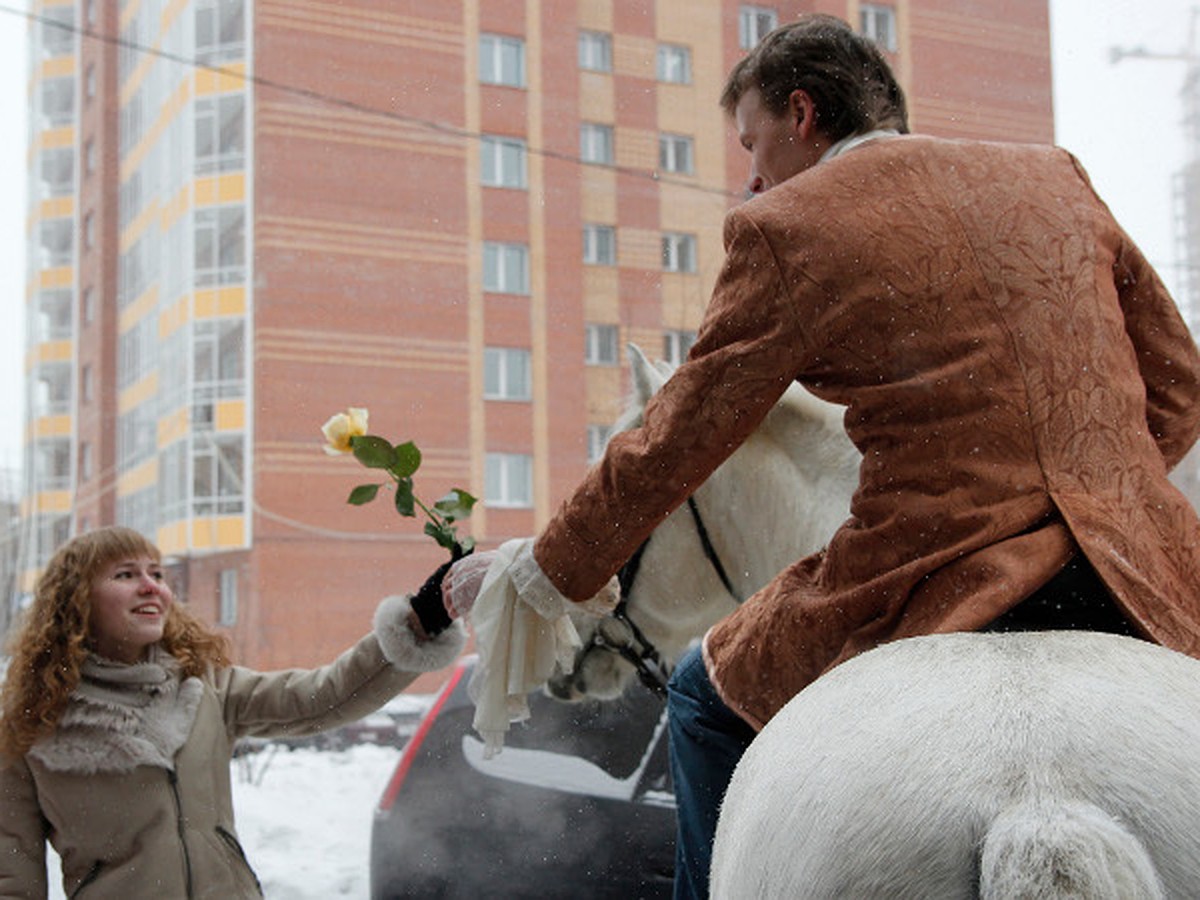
(535, 588)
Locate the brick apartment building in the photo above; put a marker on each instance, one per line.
(245, 217)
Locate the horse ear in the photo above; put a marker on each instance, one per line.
(646, 377)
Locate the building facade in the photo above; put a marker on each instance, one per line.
(245, 217)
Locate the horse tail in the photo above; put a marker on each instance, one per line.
(1044, 850)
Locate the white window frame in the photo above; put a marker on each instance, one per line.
(505, 268)
(678, 252)
(674, 64)
(596, 143)
(599, 245)
(219, 248)
(676, 153)
(755, 23)
(507, 374)
(220, 137)
(676, 344)
(600, 343)
(877, 21)
(508, 480)
(597, 440)
(502, 162)
(220, 30)
(595, 51)
(502, 60)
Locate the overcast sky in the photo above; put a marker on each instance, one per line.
(1122, 121)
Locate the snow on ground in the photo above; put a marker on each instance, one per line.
(304, 818)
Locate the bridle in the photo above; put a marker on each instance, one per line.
(619, 634)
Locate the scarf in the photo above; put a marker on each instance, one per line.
(122, 716)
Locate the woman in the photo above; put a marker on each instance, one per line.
(120, 712)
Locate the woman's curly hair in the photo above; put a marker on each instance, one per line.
(49, 647)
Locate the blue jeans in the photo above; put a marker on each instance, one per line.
(706, 739)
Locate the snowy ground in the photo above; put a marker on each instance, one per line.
(304, 817)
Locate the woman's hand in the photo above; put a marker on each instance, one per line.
(461, 585)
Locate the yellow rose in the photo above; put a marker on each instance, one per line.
(340, 428)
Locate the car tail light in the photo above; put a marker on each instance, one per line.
(414, 743)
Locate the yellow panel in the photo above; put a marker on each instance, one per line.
(52, 426)
(52, 502)
(172, 539)
(206, 191)
(138, 393)
(230, 415)
(57, 208)
(204, 304)
(231, 188)
(138, 226)
(172, 427)
(171, 13)
(596, 15)
(58, 67)
(172, 318)
(58, 137)
(53, 351)
(203, 534)
(60, 277)
(231, 301)
(176, 207)
(138, 478)
(639, 248)
(138, 309)
(231, 532)
(232, 77)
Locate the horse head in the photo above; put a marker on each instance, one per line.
(798, 467)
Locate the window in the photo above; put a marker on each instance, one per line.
(508, 480)
(503, 162)
(90, 17)
(220, 133)
(220, 251)
(220, 30)
(56, 243)
(599, 245)
(89, 82)
(676, 345)
(89, 157)
(85, 383)
(879, 24)
(218, 355)
(596, 143)
(54, 315)
(53, 464)
(58, 101)
(57, 172)
(675, 154)
(85, 461)
(679, 252)
(89, 231)
(217, 475)
(506, 374)
(505, 268)
(137, 434)
(501, 60)
(57, 29)
(600, 345)
(88, 305)
(595, 51)
(753, 24)
(597, 438)
(674, 64)
(227, 594)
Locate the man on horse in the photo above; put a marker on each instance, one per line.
(1016, 376)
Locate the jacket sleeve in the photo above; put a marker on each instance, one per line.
(22, 835)
(306, 701)
(1167, 356)
(745, 356)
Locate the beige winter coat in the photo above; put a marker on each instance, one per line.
(129, 824)
(1017, 378)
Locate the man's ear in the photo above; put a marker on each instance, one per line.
(802, 111)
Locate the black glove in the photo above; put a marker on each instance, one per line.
(427, 603)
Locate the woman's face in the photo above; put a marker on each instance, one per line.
(130, 600)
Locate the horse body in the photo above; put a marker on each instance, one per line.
(1033, 765)
(1025, 765)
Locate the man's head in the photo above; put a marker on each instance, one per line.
(807, 85)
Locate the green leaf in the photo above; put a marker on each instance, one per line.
(405, 501)
(455, 505)
(364, 493)
(443, 534)
(373, 452)
(406, 461)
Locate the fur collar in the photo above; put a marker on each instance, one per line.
(122, 716)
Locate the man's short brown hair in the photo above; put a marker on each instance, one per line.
(848, 79)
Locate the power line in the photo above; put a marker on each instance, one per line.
(355, 106)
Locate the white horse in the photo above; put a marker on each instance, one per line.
(804, 469)
(1036, 765)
